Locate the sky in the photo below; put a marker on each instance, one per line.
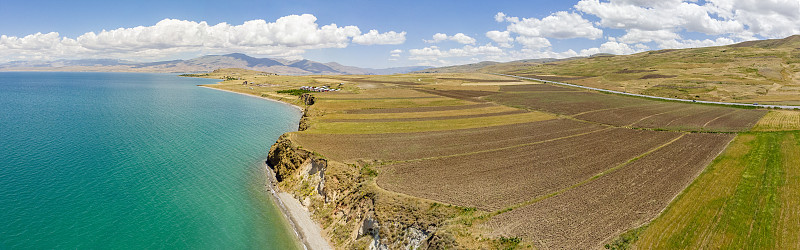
(381, 34)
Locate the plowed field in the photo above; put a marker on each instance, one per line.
(498, 179)
(586, 216)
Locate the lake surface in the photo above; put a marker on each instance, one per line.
(124, 160)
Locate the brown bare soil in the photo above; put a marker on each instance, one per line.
(634, 112)
(587, 216)
(567, 103)
(554, 78)
(479, 80)
(469, 95)
(428, 118)
(633, 71)
(408, 146)
(419, 109)
(534, 87)
(498, 179)
(656, 76)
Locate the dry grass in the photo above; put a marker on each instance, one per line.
(779, 120)
(420, 126)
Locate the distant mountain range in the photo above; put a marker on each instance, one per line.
(481, 66)
(204, 64)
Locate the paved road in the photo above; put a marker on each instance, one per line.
(658, 97)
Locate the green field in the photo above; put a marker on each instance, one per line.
(746, 199)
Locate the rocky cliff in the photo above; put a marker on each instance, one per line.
(352, 210)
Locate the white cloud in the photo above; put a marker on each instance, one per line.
(462, 39)
(459, 38)
(433, 53)
(611, 48)
(646, 36)
(689, 43)
(502, 38)
(561, 25)
(739, 18)
(395, 52)
(500, 17)
(533, 42)
(373, 37)
(288, 36)
(438, 37)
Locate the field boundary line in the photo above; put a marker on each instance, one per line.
(599, 110)
(715, 118)
(657, 114)
(584, 182)
(683, 190)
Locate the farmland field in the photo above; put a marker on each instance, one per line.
(409, 146)
(545, 165)
(746, 199)
(633, 112)
(497, 179)
(779, 120)
(588, 214)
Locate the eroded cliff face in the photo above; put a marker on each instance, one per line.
(352, 210)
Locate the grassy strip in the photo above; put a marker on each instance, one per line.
(420, 126)
(484, 110)
(296, 92)
(736, 202)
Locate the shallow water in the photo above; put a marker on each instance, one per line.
(123, 160)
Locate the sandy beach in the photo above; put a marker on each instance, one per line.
(261, 97)
(309, 232)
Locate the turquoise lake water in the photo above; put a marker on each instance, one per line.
(132, 161)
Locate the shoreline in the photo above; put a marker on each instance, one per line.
(305, 228)
(308, 231)
(260, 97)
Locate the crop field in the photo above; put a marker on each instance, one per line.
(746, 199)
(429, 114)
(779, 120)
(633, 112)
(410, 146)
(417, 109)
(497, 179)
(586, 216)
(534, 87)
(560, 167)
(429, 124)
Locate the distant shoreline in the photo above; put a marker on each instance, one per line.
(260, 97)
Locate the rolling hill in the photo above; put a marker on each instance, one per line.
(764, 71)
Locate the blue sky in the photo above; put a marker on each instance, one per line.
(520, 29)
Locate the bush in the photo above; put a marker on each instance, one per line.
(296, 92)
